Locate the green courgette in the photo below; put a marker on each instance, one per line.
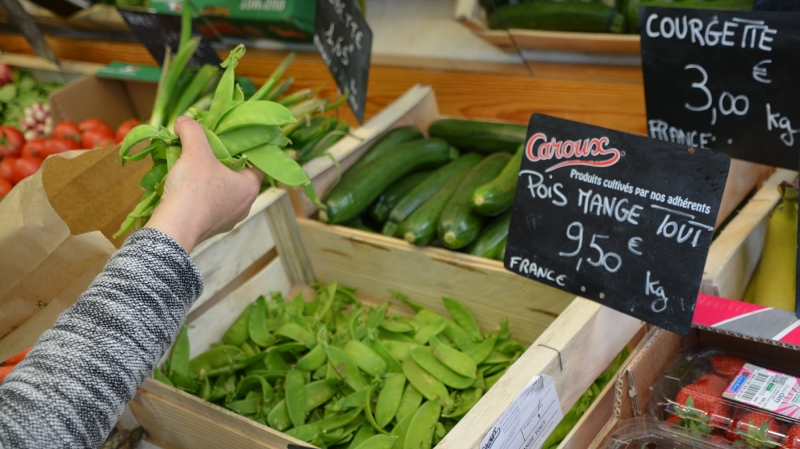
(459, 225)
(395, 137)
(354, 194)
(492, 238)
(476, 135)
(358, 223)
(560, 16)
(420, 227)
(425, 190)
(495, 197)
(383, 205)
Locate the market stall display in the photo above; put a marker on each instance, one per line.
(24, 102)
(575, 26)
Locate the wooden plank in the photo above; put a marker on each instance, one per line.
(197, 424)
(471, 14)
(222, 258)
(280, 216)
(209, 327)
(378, 264)
(595, 418)
(735, 252)
(511, 97)
(567, 350)
(742, 177)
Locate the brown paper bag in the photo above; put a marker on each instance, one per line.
(55, 237)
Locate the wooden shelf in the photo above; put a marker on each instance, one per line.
(603, 96)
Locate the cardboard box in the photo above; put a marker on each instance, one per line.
(113, 100)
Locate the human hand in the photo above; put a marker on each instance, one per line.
(202, 197)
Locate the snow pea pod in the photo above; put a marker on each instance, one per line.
(250, 406)
(245, 138)
(305, 433)
(262, 113)
(398, 349)
(161, 377)
(430, 324)
(420, 431)
(138, 134)
(389, 399)
(344, 366)
(356, 399)
(430, 387)
(336, 421)
(463, 318)
(366, 359)
(313, 359)
(272, 160)
(223, 95)
(179, 359)
(296, 397)
(490, 381)
(478, 352)
(396, 325)
(297, 333)
(378, 442)
(368, 410)
(219, 149)
(401, 430)
(318, 393)
(427, 361)
(363, 434)
(257, 324)
(238, 333)
(214, 358)
(278, 417)
(454, 359)
(409, 403)
(254, 382)
(392, 365)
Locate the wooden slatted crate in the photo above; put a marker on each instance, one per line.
(573, 347)
(471, 14)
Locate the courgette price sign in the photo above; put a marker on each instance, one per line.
(725, 80)
(623, 220)
(344, 40)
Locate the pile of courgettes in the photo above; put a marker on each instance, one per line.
(587, 16)
(454, 189)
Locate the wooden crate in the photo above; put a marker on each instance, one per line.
(471, 14)
(574, 349)
(418, 107)
(735, 253)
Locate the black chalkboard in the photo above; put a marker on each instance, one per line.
(620, 219)
(725, 80)
(156, 31)
(344, 41)
(30, 30)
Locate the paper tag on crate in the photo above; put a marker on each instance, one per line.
(766, 389)
(529, 420)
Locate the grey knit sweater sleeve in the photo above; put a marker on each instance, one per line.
(73, 386)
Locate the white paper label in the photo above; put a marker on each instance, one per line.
(529, 420)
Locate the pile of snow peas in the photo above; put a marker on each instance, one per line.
(336, 373)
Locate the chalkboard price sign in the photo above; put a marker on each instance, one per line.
(157, 31)
(724, 80)
(344, 41)
(623, 220)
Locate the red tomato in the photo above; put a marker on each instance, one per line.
(24, 167)
(5, 187)
(7, 169)
(96, 138)
(124, 128)
(92, 123)
(11, 141)
(67, 130)
(33, 148)
(55, 146)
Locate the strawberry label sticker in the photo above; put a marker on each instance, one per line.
(765, 389)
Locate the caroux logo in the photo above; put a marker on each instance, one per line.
(492, 438)
(572, 152)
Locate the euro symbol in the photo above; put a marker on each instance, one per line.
(760, 73)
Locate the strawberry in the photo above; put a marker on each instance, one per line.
(716, 382)
(792, 440)
(675, 419)
(727, 366)
(718, 439)
(702, 401)
(756, 429)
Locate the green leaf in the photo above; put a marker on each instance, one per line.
(273, 161)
